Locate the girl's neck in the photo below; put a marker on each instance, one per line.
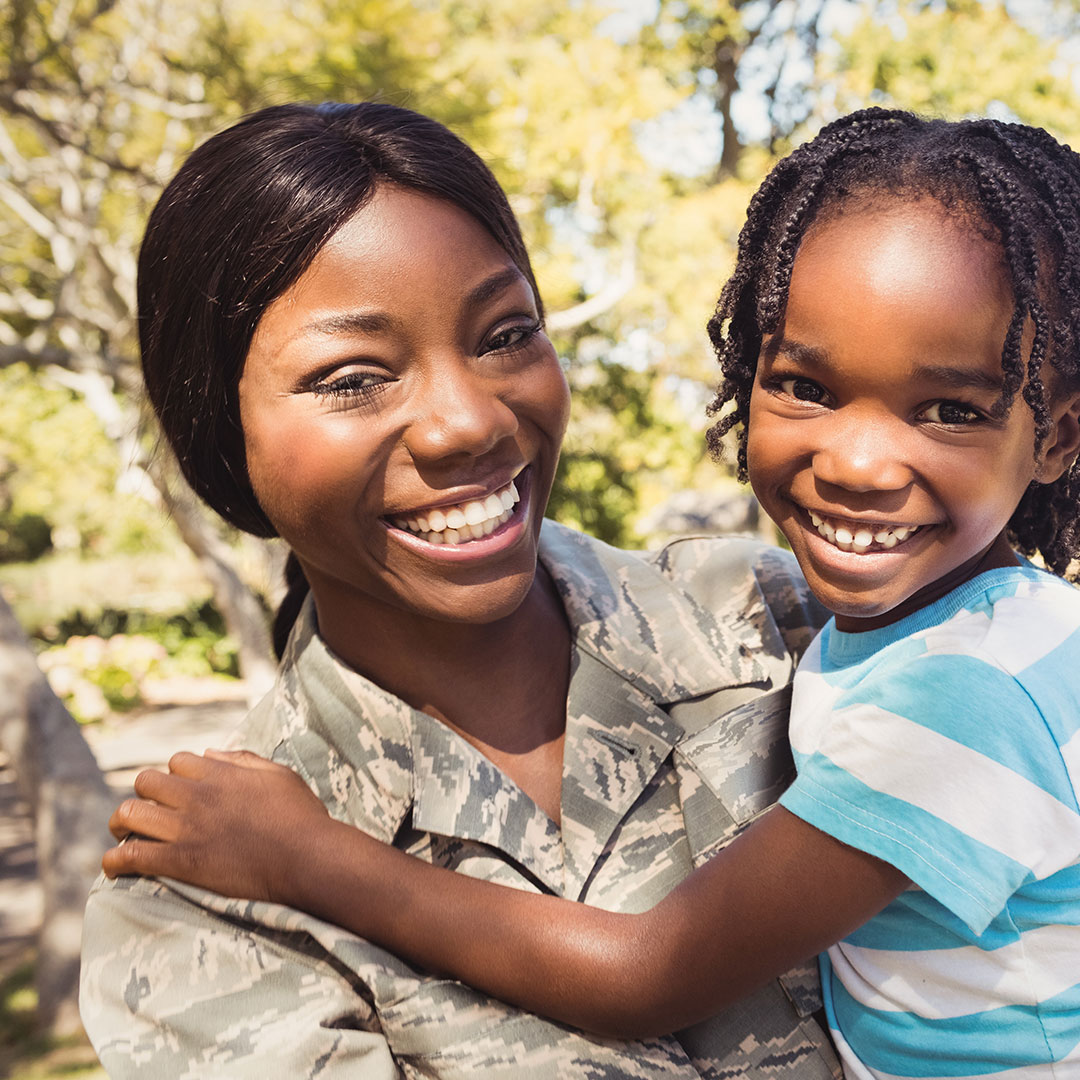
(999, 555)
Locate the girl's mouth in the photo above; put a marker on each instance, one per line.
(463, 522)
(861, 536)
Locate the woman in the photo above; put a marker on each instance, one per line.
(343, 340)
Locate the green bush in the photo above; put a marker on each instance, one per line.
(24, 537)
(100, 664)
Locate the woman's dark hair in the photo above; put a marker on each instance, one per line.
(1014, 182)
(238, 224)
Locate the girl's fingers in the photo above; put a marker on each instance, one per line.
(186, 764)
(165, 788)
(137, 855)
(244, 758)
(148, 819)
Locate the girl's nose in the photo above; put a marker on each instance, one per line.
(460, 413)
(862, 454)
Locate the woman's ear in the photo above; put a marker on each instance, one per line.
(1063, 443)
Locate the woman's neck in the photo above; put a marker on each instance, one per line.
(502, 685)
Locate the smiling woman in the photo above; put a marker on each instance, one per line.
(344, 343)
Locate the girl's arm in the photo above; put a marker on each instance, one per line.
(779, 893)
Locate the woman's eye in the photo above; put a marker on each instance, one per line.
(511, 337)
(951, 413)
(354, 384)
(802, 390)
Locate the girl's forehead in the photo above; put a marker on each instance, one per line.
(902, 246)
(903, 284)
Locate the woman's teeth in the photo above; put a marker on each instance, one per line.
(466, 521)
(859, 538)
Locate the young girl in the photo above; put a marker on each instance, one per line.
(900, 342)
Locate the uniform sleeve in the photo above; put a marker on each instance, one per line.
(943, 766)
(172, 990)
(797, 614)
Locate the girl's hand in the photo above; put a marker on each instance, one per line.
(229, 821)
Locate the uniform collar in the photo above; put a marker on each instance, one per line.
(641, 644)
(626, 611)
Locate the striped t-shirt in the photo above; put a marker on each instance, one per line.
(948, 744)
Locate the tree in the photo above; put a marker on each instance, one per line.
(58, 777)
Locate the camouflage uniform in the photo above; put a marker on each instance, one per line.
(675, 739)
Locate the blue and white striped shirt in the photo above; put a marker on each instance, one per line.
(948, 744)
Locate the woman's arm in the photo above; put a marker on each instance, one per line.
(779, 893)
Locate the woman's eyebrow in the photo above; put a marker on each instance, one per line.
(349, 322)
(493, 285)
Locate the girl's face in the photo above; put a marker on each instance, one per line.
(402, 413)
(871, 440)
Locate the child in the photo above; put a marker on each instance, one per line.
(900, 342)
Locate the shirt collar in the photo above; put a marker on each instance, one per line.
(625, 611)
(374, 759)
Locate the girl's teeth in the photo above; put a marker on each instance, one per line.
(860, 539)
(455, 518)
(436, 521)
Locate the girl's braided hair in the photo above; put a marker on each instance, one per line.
(1019, 184)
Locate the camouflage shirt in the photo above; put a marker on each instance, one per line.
(675, 739)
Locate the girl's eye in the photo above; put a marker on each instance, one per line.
(951, 414)
(511, 338)
(802, 390)
(354, 384)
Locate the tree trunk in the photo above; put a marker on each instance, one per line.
(56, 773)
(243, 614)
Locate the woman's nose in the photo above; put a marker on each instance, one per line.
(460, 413)
(862, 453)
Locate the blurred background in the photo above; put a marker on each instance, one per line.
(629, 135)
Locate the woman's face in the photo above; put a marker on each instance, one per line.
(402, 413)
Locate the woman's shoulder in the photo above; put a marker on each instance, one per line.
(745, 586)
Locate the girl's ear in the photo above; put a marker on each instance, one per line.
(1063, 443)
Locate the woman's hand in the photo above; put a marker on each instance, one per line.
(229, 821)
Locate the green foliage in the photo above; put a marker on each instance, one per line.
(547, 92)
(59, 474)
(23, 537)
(103, 663)
(962, 58)
(27, 1054)
(627, 448)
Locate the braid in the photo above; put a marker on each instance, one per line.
(1017, 183)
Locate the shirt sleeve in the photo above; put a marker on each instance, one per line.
(172, 990)
(942, 766)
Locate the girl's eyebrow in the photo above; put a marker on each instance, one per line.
(959, 378)
(811, 355)
(955, 378)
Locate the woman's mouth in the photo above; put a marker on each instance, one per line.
(861, 536)
(463, 522)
